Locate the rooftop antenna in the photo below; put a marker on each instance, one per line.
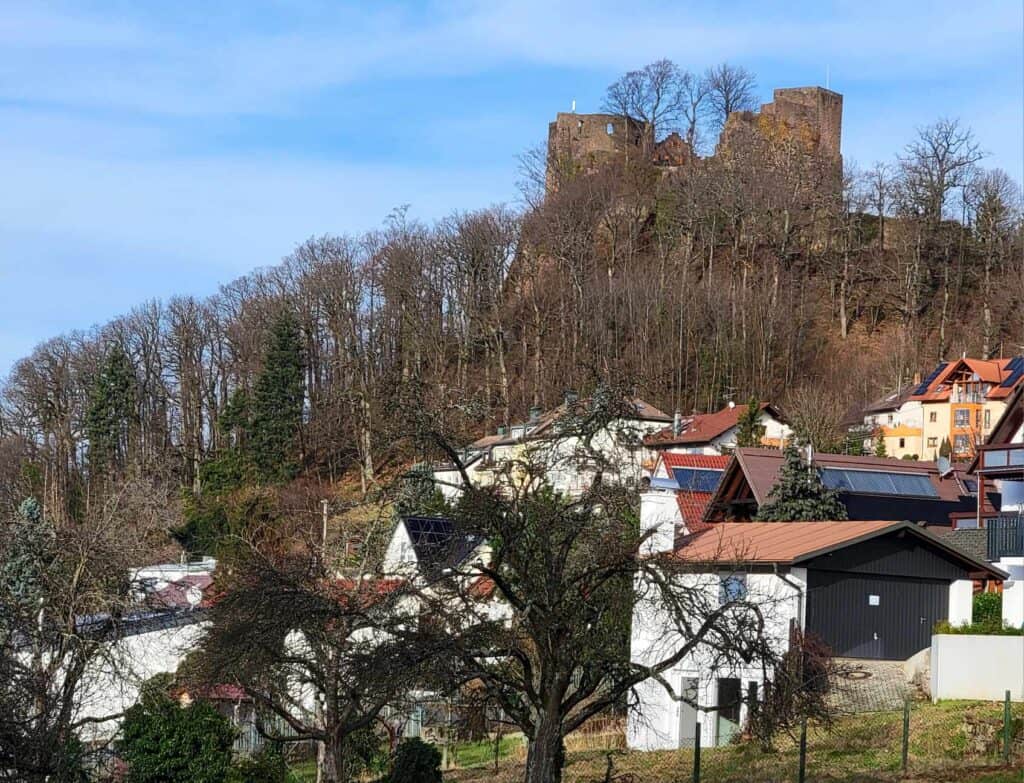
(828, 77)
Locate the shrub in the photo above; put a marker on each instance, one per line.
(981, 629)
(987, 609)
(267, 766)
(416, 762)
(166, 743)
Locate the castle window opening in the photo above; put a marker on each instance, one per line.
(611, 129)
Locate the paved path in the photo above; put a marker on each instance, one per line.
(869, 686)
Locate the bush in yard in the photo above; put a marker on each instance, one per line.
(167, 743)
(987, 609)
(267, 766)
(416, 762)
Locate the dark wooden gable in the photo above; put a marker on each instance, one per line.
(901, 553)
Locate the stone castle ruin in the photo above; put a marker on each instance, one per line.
(582, 143)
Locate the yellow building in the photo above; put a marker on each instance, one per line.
(960, 402)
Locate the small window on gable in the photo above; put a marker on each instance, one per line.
(733, 587)
(933, 417)
(610, 128)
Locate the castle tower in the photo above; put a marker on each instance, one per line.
(581, 143)
(813, 108)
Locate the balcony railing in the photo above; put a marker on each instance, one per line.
(1005, 537)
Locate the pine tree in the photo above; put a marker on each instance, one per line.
(277, 403)
(799, 494)
(111, 411)
(945, 449)
(749, 429)
(880, 446)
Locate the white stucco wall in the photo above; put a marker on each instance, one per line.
(659, 512)
(111, 684)
(1013, 591)
(655, 722)
(961, 601)
(977, 667)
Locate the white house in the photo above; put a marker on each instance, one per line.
(715, 433)
(1000, 466)
(868, 589)
(548, 437)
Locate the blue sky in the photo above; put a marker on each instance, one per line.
(152, 148)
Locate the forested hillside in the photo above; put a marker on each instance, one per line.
(737, 275)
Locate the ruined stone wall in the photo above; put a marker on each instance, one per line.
(814, 110)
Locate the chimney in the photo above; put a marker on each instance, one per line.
(677, 423)
(917, 379)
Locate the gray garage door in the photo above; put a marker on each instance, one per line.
(865, 616)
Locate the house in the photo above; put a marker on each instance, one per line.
(549, 437)
(898, 421)
(166, 624)
(870, 589)
(715, 433)
(680, 489)
(960, 401)
(426, 549)
(869, 487)
(999, 466)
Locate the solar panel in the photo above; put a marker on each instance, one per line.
(878, 482)
(1016, 369)
(697, 480)
(927, 381)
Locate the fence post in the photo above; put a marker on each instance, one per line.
(803, 751)
(906, 734)
(696, 755)
(1007, 721)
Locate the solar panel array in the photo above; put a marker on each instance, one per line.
(877, 482)
(927, 381)
(696, 479)
(1016, 369)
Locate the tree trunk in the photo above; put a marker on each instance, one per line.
(545, 754)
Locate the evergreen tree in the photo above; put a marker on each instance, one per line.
(749, 429)
(945, 449)
(110, 412)
(880, 446)
(277, 403)
(799, 494)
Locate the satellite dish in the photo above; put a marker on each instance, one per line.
(194, 596)
(944, 466)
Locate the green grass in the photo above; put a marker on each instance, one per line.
(861, 749)
(478, 754)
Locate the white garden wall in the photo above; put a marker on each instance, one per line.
(972, 666)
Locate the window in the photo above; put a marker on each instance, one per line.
(933, 417)
(890, 418)
(933, 442)
(610, 129)
(733, 587)
(961, 418)
(903, 443)
(877, 482)
(961, 444)
(696, 480)
(988, 419)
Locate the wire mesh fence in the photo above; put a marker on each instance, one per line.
(960, 741)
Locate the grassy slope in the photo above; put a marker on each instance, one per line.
(860, 749)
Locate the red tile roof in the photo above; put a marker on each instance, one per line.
(692, 504)
(991, 371)
(702, 427)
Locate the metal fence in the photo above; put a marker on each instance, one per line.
(920, 740)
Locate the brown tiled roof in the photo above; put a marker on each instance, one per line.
(701, 427)
(761, 468)
(789, 543)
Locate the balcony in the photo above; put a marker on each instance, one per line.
(1005, 460)
(1005, 537)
